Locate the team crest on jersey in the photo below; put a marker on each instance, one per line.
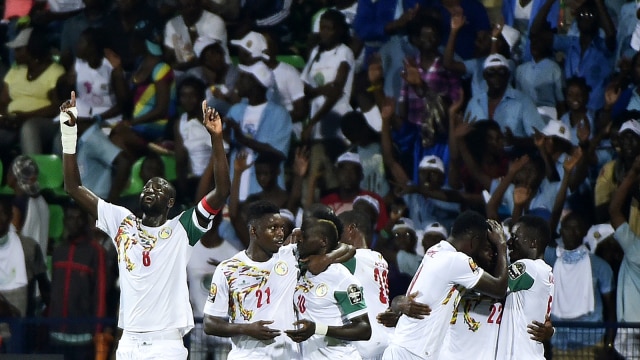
(473, 266)
(355, 294)
(516, 270)
(165, 232)
(281, 268)
(213, 291)
(322, 290)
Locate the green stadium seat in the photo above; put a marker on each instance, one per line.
(170, 172)
(135, 182)
(50, 171)
(294, 60)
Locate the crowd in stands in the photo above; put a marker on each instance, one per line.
(408, 111)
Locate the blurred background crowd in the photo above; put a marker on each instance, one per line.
(408, 111)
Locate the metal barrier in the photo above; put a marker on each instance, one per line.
(45, 336)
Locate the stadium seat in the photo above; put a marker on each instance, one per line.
(169, 167)
(135, 182)
(50, 171)
(56, 223)
(294, 60)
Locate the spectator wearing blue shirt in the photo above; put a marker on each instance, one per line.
(541, 78)
(583, 292)
(523, 24)
(586, 55)
(476, 28)
(513, 110)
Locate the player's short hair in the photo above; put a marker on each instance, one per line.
(359, 219)
(322, 211)
(469, 222)
(268, 158)
(259, 209)
(538, 228)
(324, 228)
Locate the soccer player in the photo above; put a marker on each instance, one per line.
(251, 295)
(445, 268)
(530, 292)
(331, 304)
(153, 251)
(371, 269)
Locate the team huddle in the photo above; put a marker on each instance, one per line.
(320, 293)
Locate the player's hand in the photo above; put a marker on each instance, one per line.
(259, 330)
(388, 318)
(496, 233)
(211, 119)
(541, 332)
(306, 329)
(240, 163)
(68, 105)
(410, 307)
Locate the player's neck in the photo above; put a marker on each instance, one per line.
(255, 253)
(153, 220)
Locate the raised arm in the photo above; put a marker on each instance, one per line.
(86, 199)
(495, 286)
(448, 58)
(620, 196)
(216, 198)
(538, 22)
(496, 197)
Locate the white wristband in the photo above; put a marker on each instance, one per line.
(69, 134)
(321, 329)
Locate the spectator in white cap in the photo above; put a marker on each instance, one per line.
(554, 144)
(433, 234)
(365, 139)
(217, 71)
(541, 77)
(430, 200)
(514, 111)
(349, 174)
(251, 48)
(404, 240)
(597, 234)
(257, 124)
(182, 31)
(612, 173)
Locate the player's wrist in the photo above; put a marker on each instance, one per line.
(68, 133)
(321, 329)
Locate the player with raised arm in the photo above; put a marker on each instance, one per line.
(153, 251)
(251, 295)
(530, 292)
(447, 268)
(331, 304)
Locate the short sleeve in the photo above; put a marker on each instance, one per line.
(110, 217)
(519, 278)
(629, 241)
(464, 271)
(351, 298)
(161, 72)
(295, 86)
(218, 299)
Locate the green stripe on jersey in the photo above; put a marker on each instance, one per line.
(519, 279)
(350, 265)
(193, 231)
(351, 300)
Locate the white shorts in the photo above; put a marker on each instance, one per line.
(394, 352)
(628, 343)
(161, 345)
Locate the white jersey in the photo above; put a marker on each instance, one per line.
(442, 271)
(332, 298)
(371, 269)
(247, 291)
(529, 298)
(473, 333)
(153, 268)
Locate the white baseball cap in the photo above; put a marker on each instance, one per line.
(21, 40)
(202, 42)
(596, 234)
(510, 35)
(254, 43)
(436, 228)
(349, 157)
(374, 118)
(632, 125)
(495, 60)
(431, 162)
(404, 223)
(369, 200)
(557, 128)
(261, 72)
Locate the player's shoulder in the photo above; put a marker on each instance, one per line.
(234, 262)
